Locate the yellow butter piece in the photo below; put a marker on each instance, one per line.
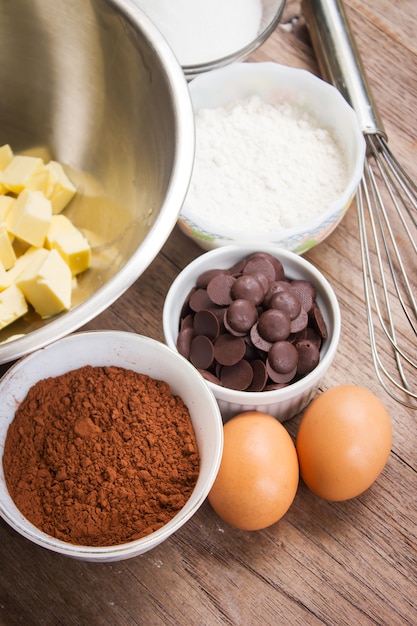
(60, 189)
(19, 173)
(22, 262)
(12, 305)
(6, 155)
(30, 217)
(71, 244)
(46, 283)
(7, 254)
(3, 277)
(59, 224)
(6, 203)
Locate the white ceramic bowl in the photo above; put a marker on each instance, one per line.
(281, 403)
(275, 84)
(140, 354)
(204, 37)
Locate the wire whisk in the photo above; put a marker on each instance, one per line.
(386, 202)
(388, 243)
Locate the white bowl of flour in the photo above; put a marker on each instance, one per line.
(279, 156)
(206, 35)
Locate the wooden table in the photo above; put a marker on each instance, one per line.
(348, 563)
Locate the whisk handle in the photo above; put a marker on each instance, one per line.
(339, 59)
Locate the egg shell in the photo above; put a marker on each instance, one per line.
(258, 476)
(343, 442)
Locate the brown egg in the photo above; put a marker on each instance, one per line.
(343, 442)
(258, 476)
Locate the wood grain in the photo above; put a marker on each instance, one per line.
(352, 563)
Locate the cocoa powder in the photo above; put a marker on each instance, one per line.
(100, 455)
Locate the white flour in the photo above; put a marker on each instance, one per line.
(260, 167)
(199, 31)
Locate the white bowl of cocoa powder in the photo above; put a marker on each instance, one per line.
(110, 442)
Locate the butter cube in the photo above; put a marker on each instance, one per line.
(60, 189)
(73, 247)
(46, 283)
(30, 217)
(12, 305)
(7, 254)
(22, 262)
(3, 277)
(6, 203)
(6, 155)
(18, 173)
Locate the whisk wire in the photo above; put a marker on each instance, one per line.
(385, 290)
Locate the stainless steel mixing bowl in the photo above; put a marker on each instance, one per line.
(92, 84)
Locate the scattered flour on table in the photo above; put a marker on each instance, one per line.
(263, 167)
(199, 31)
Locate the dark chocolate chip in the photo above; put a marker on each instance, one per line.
(275, 287)
(306, 293)
(238, 376)
(228, 349)
(258, 341)
(260, 376)
(204, 278)
(279, 269)
(308, 357)
(299, 323)
(247, 287)
(318, 321)
(260, 264)
(206, 323)
(282, 357)
(211, 377)
(199, 300)
(278, 377)
(201, 352)
(184, 339)
(219, 289)
(274, 325)
(241, 315)
(287, 301)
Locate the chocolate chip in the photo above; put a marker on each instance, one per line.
(260, 376)
(318, 321)
(258, 341)
(247, 287)
(219, 289)
(274, 325)
(282, 357)
(228, 350)
(286, 300)
(199, 300)
(305, 292)
(209, 376)
(278, 267)
(204, 278)
(206, 323)
(184, 339)
(241, 315)
(238, 376)
(300, 322)
(201, 352)
(260, 264)
(308, 357)
(275, 287)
